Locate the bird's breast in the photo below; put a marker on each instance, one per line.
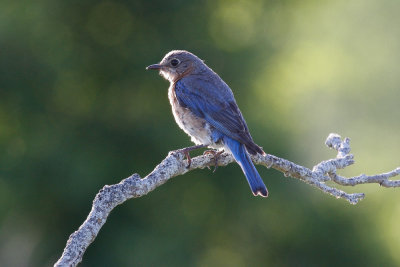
(197, 128)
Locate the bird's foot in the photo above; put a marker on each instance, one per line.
(216, 155)
(187, 150)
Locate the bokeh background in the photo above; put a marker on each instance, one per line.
(78, 111)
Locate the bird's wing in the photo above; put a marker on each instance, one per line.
(213, 101)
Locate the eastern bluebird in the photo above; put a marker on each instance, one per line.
(205, 108)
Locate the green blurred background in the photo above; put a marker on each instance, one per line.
(78, 111)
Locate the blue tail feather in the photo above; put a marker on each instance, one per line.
(242, 158)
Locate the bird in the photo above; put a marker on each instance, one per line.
(205, 108)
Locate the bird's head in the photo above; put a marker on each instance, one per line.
(177, 64)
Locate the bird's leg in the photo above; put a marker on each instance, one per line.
(187, 150)
(216, 154)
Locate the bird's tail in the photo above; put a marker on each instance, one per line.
(239, 153)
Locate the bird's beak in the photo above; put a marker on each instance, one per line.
(154, 67)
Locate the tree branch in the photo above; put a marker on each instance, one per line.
(174, 164)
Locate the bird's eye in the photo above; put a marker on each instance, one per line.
(174, 62)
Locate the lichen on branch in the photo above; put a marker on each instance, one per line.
(174, 164)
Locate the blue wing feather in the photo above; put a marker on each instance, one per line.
(215, 103)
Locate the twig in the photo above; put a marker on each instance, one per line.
(174, 164)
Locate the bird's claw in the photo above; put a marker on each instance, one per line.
(189, 159)
(216, 155)
(186, 152)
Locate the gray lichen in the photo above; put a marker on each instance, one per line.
(174, 164)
